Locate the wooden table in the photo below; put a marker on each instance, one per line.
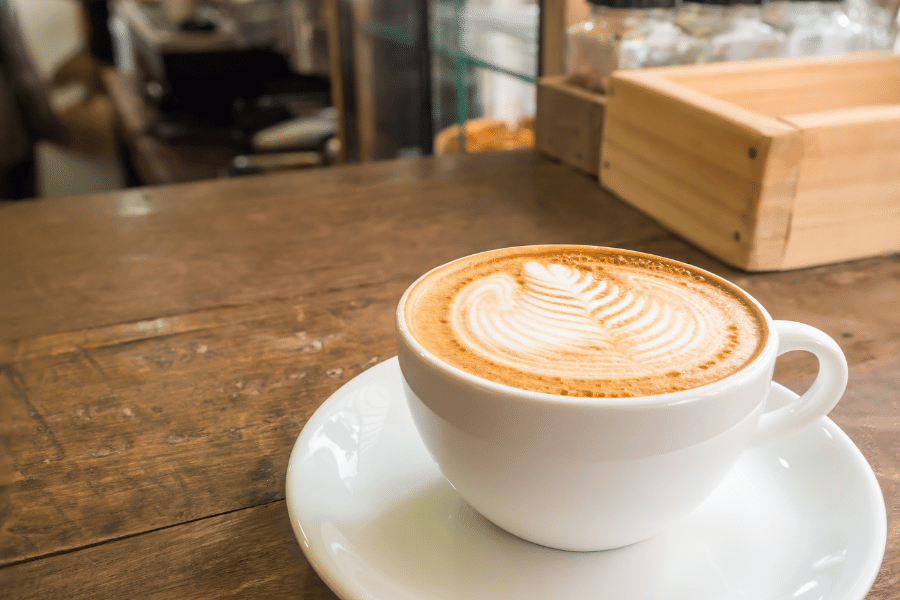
(161, 348)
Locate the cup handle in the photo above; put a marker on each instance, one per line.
(822, 395)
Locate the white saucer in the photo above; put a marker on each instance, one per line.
(802, 519)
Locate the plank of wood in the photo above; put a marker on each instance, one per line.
(152, 252)
(569, 123)
(688, 117)
(675, 201)
(788, 86)
(696, 178)
(847, 202)
(719, 175)
(245, 554)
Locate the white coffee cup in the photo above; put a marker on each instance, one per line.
(584, 474)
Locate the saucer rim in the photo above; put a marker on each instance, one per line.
(319, 559)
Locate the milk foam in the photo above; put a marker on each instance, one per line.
(589, 325)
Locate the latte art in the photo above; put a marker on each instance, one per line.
(567, 323)
(579, 322)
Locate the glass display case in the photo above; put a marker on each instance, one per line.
(424, 66)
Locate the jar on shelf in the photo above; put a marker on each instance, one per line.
(731, 30)
(626, 34)
(830, 27)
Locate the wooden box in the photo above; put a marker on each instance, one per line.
(569, 122)
(768, 165)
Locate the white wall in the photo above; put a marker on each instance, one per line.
(53, 31)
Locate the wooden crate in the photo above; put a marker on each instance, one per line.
(569, 122)
(768, 165)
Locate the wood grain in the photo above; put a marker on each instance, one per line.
(814, 84)
(252, 553)
(569, 123)
(765, 164)
(160, 350)
(151, 252)
(846, 204)
(710, 171)
(246, 554)
(203, 325)
(121, 437)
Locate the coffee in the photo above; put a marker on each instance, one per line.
(587, 473)
(584, 321)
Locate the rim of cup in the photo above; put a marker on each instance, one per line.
(695, 394)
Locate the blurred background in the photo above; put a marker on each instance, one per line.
(105, 94)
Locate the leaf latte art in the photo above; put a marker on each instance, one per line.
(578, 323)
(565, 323)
